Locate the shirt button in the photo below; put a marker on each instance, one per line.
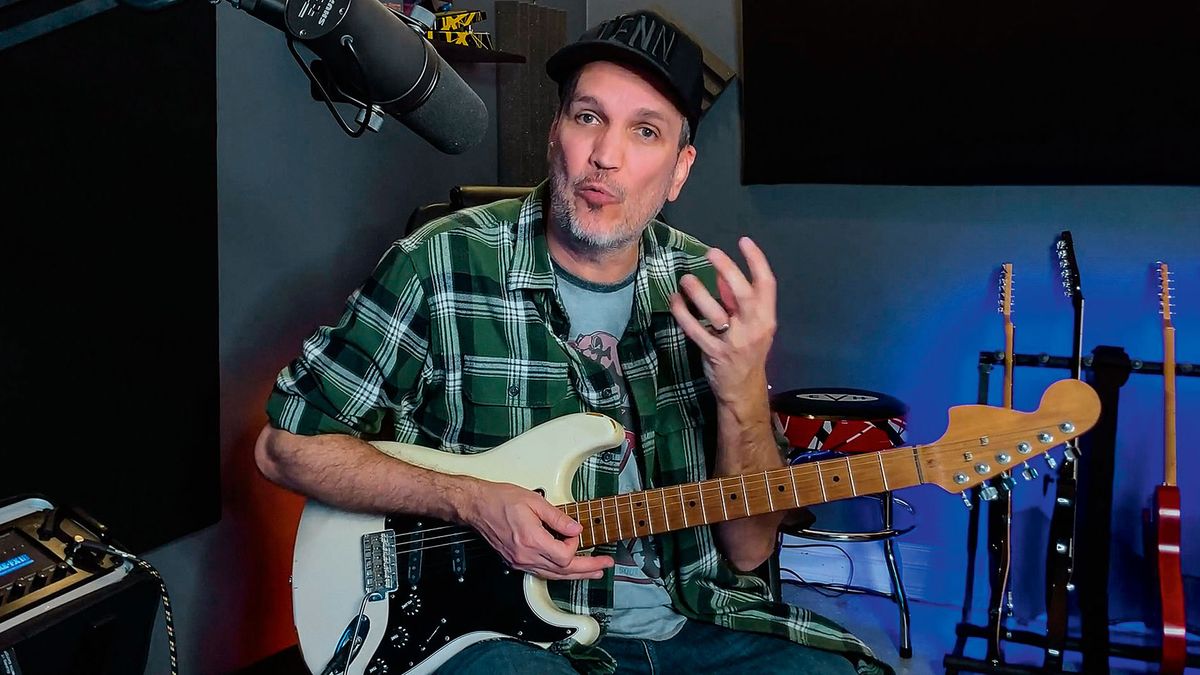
(513, 390)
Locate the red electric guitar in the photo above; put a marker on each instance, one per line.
(1166, 504)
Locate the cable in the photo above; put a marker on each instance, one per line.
(168, 614)
(815, 586)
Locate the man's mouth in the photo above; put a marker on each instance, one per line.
(596, 194)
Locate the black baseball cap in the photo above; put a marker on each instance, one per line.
(646, 40)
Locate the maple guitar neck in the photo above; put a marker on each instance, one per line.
(976, 452)
(717, 500)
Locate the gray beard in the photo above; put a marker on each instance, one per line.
(563, 216)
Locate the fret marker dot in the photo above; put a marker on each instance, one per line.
(692, 503)
(836, 478)
(733, 496)
(641, 523)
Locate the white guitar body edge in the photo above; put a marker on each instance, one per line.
(327, 565)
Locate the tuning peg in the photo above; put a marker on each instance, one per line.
(966, 500)
(1051, 462)
(1029, 473)
(1007, 483)
(1069, 454)
(988, 493)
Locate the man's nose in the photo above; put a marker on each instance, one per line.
(608, 150)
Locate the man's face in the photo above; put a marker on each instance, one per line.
(614, 157)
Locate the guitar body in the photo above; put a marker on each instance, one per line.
(1170, 579)
(448, 596)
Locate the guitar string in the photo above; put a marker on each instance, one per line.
(751, 493)
(713, 487)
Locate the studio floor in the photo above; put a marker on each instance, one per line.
(876, 621)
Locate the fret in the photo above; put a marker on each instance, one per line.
(850, 473)
(821, 480)
(638, 523)
(795, 493)
(605, 507)
(770, 499)
(745, 495)
(662, 495)
(649, 517)
(703, 508)
(633, 519)
(882, 471)
(591, 521)
(721, 487)
(682, 506)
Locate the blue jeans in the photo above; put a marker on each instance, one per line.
(698, 648)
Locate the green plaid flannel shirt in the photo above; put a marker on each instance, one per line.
(457, 341)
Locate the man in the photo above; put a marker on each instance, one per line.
(496, 319)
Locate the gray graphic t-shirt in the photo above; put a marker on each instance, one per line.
(598, 315)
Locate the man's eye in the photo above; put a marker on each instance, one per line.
(586, 118)
(647, 133)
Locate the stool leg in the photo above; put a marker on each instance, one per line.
(901, 597)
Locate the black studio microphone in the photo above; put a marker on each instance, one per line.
(373, 58)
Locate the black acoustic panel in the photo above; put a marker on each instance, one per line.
(108, 271)
(947, 92)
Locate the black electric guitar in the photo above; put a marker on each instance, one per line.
(1060, 553)
(1000, 506)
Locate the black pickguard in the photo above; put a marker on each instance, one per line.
(447, 591)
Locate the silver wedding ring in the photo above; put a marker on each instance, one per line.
(720, 329)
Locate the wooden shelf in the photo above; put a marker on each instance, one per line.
(463, 54)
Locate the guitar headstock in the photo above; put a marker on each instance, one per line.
(983, 441)
(1165, 301)
(1005, 304)
(1064, 248)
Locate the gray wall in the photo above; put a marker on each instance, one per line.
(893, 289)
(305, 212)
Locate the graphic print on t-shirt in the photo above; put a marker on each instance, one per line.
(631, 554)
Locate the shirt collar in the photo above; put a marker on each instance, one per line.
(531, 267)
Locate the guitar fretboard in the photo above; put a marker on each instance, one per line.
(717, 500)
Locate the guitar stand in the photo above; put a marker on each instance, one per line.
(1107, 370)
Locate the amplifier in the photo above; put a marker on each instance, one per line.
(66, 605)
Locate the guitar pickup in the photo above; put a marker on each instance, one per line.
(380, 574)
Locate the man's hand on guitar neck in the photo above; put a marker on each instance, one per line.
(520, 524)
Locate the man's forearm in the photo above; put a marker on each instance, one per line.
(746, 444)
(349, 473)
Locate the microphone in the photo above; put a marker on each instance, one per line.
(377, 61)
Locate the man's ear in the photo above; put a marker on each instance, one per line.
(683, 167)
(552, 138)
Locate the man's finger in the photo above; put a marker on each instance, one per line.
(556, 519)
(728, 270)
(703, 300)
(760, 269)
(691, 326)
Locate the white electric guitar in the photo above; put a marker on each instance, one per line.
(399, 594)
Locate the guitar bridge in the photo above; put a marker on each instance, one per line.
(379, 564)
